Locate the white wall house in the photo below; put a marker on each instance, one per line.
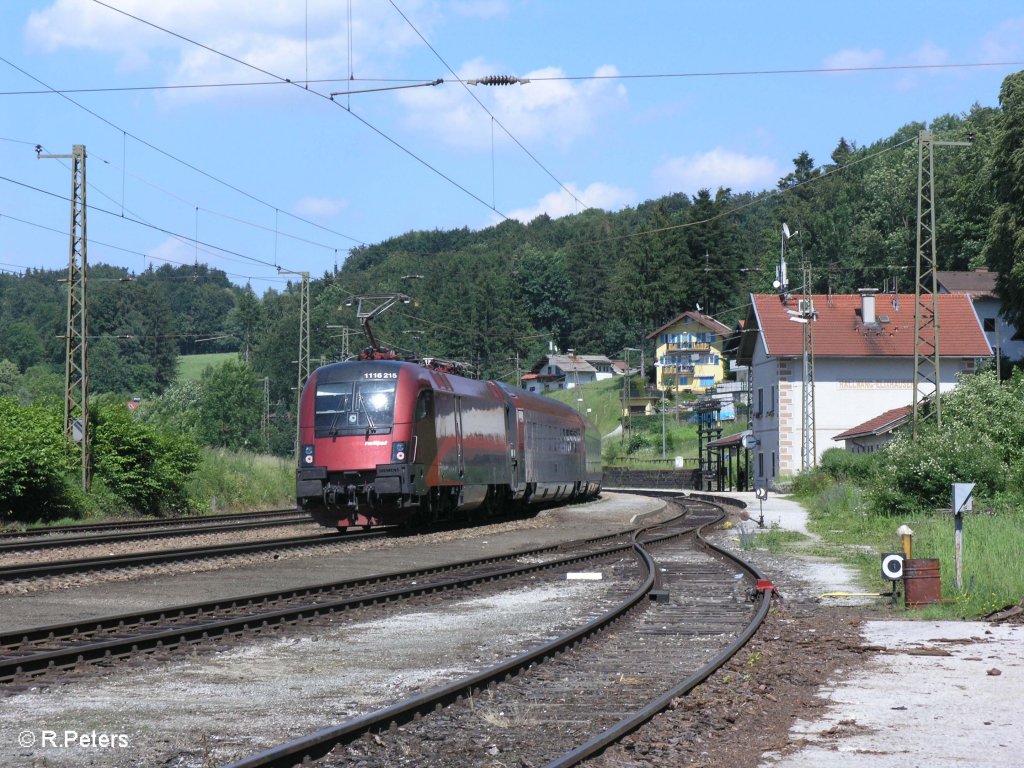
(980, 287)
(875, 433)
(554, 372)
(860, 368)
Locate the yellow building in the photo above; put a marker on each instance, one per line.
(689, 353)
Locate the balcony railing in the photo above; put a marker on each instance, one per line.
(688, 346)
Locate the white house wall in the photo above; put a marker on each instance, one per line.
(988, 310)
(848, 391)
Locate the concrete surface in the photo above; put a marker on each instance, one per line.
(910, 708)
(941, 695)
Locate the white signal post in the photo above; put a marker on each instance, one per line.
(963, 501)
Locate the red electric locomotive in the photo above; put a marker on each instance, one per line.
(385, 442)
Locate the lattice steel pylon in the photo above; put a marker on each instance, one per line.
(303, 361)
(809, 446)
(927, 372)
(926, 297)
(76, 334)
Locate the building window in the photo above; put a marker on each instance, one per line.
(989, 324)
(772, 410)
(760, 402)
(773, 464)
(760, 464)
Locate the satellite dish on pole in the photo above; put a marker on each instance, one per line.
(785, 230)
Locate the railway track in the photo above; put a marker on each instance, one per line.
(57, 648)
(570, 697)
(56, 541)
(85, 565)
(141, 525)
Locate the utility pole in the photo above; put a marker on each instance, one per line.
(926, 295)
(265, 419)
(809, 454)
(76, 333)
(627, 394)
(345, 339)
(303, 361)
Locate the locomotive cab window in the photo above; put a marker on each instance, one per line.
(333, 404)
(348, 408)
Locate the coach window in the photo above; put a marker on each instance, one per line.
(424, 405)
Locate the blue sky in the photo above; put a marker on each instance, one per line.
(279, 174)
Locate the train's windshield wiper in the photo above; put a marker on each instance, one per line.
(371, 428)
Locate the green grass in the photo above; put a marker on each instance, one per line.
(604, 399)
(229, 481)
(992, 554)
(191, 367)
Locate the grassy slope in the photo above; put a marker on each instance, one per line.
(603, 398)
(191, 367)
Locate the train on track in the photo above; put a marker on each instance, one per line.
(389, 442)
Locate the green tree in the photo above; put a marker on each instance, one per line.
(34, 463)
(981, 442)
(231, 406)
(9, 378)
(177, 409)
(1004, 247)
(41, 383)
(145, 467)
(19, 343)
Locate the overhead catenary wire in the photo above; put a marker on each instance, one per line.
(484, 107)
(163, 230)
(326, 97)
(94, 242)
(542, 78)
(173, 157)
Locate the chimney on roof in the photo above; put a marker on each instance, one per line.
(867, 305)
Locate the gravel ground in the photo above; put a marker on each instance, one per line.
(28, 586)
(208, 709)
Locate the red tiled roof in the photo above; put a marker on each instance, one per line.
(977, 284)
(879, 425)
(839, 331)
(701, 319)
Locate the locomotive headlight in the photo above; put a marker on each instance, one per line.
(398, 452)
(307, 455)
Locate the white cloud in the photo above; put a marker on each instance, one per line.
(714, 169)
(560, 203)
(854, 58)
(175, 251)
(1005, 42)
(926, 54)
(275, 35)
(319, 207)
(552, 110)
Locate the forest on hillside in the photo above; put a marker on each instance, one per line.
(596, 281)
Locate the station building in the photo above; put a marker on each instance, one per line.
(863, 365)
